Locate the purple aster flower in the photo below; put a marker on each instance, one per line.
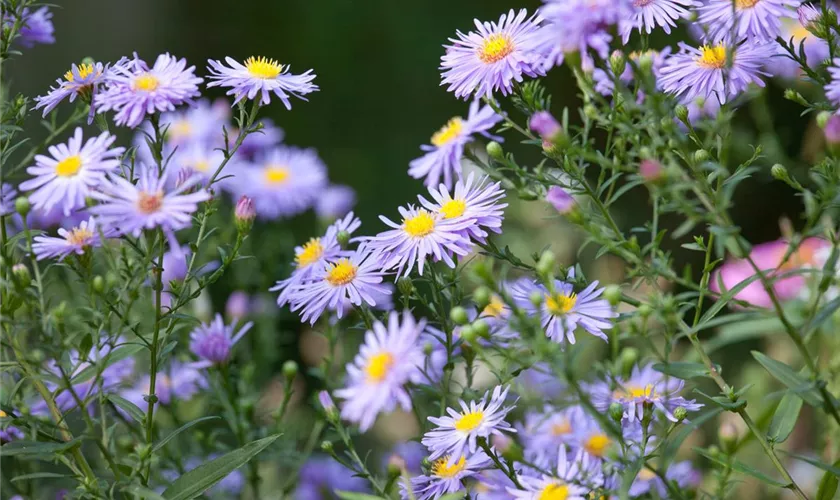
(712, 70)
(320, 477)
(83, 80)
(458, 431)
(422, 234)
(135, 89)
(130, 208)
(8, 432)
(200, 159)
(560, 199)
(758, 20)
(701, 108)
(683, 473)
(648, 14)
(212, 342)
(77, 240)
(542, 433)
(407, 456)
(563, 310)
(72, 172)
(558, 485)
(37, 27)
(545, 125)
(832, 90)
(260, 76)
(284, 181)
(238, 305)
(494, 57)
(313, 256)
(443, 156)
(447, 475)
(644, 387)
(357, 278)
(335, 201)
(588, 436)
(388, 360)
(269, 136)
(831, 131)
(540, 381)
(8, 194)
(200, 123)
(497, 316)
(476, 202)
(181, 381)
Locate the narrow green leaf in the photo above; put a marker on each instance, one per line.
(181, 429)
(24, 448)
(828, 485)
(140, 492)
(132, 409)
(39, 475)
(784, 419)
(740, 467)
(683, 370)
(195, 482)
(725, 298)
(786, 375)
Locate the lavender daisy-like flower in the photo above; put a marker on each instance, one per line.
(645, 386)
(649, 14)
(445, 476)
(493, 58)
(458, 432)
(422, 234)
(758, 20)
(284, 181)
(388, 360)
(200, 159)
(683, 473)
(313, 256)
(560, 199)
(542, 433)
(721, 70)
(443, 156)
(261, 77)
(76, 240)
(563, 310)
(478, 202)
(212, 342)
(357, 279)
(71, 172)
(335, 201)
(82, 81)
(135, 89)
(832, 90)
(8, 432)
(37, 27)
(128, 208)
(559, 485)
(321, 476)
(8, 194)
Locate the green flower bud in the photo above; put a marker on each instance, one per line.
(343, 238)
(617, 62)
(613, 294)
(495, 151)
(290, 370)
(616, 412)
(481, 328)
(536, 298)
(822, 118)
(327, 447)
(98, 284)
(591, 111)
(22, 206)
(21, 274)
(468, 334)
(627, 359)
(701, 155)
(405, 286)
(481, 296)
(37, 355)
(645, 310)
(778, 171)
(680, 413)
(458, 315)
(792, 95)
(681, 111)
(546, 263)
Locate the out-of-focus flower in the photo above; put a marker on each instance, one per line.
(816, 50)
(543, 433)
(8, 432)
(683, 473)
(36, 28)
(238, 305)
(650, 170)
(8, 194)
(135, 89)
(260, 77)
(72, 172)
(335, 201)
(407, 456)
(646, 387)
(457, 433)
(493, 58)
(389, 359)
(770, 259)
(560, 199)
(832, 130)
(320, 477)
(180, 381)
(76, 240)
(213, 342)
(832, 90)
(756, 20)
(442, 158)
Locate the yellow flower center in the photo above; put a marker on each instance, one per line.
(597, 444)
(312, 251)
(799, 32)
(554, 492)
(69, 166)
(494, 308)
(85, 70)
(378, 366)
(745, 4)
(276, 174)
(201, 166)
(420, 225)
(450, 131)
(261, 67)
(146, 82)
(453, 208)
(560, 304)
(79, 236)
(495, 48)
(341, 273)
(712, 57)
(149, 203)
(180, 129)
(647, 391)
(646, 474)
(469, 421)
(3, 414)
(442, 467)
(561, 428)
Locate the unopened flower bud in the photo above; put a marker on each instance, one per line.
(681, 112)
(545, 265)
(458, 315)
(651, 170)
(811, 18)
(343, 238)
(701, 155)
(481, 296)
(495, 151)
(822, 118)
(627, 359)
(618, 62)
(37, 355)
(22, 206)
(680, 413)
(327, 447)
(428, 348)
(561, 200)
(727, 433)
(328, 405)
(244, 214)
(482, 329)
(405, 286)
(792, 95)
(548, 128)
(779, 171)
(396, 465)
(645, 310)
(613, 294)
(536, 298)
(616, 412)
(290, 370)
(468, 334)
(98, 284)
(21, 275)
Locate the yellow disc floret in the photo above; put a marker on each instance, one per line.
(146, 82)
(378, 366)
(469, 421)
(312, 251)
(85, 70)
(453, 208)
(495, 48)
(597, 444)
(420, 225)
(554, 492)
(442, 467)
(341, 273)
(712, 57)
(69, 166)
(276, 174)
(450, 131)
(560, 304)
(79, 236)
(261, 67)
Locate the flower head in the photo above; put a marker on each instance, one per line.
(422, 234)
(212, 342)
(816, 49)
(565, 484)
(542, 433)
(560, 199)
(83, 80)
(721, 70)
(321, 476)
(260, 76)
(335, 201)
(832, 90)
(649, 14)
(646, 387)
(389, 359)
(495, 56)
(445, 476)
(478, 202)
(8, 432)
(71, 172)
(8, 195)
(757, 20)
(282, 182)
(135, 89)
(37, 27)
(443, 156)
(458, 431)
(76, 240)
(128, 208)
